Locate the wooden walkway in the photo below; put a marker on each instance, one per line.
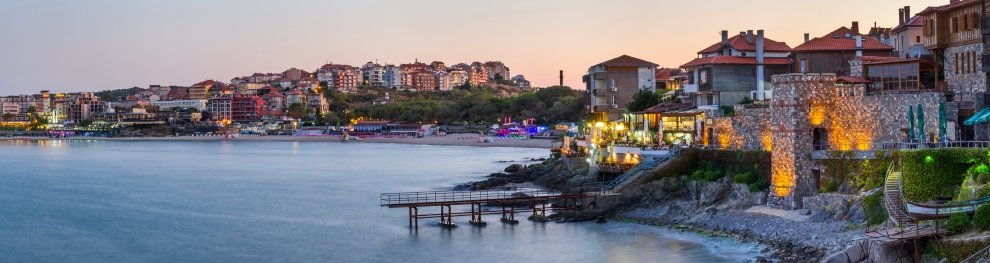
(508, 202)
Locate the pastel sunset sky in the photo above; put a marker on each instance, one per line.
(95, 45)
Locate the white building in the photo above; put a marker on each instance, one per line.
(185, 104)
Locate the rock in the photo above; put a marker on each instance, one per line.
(761, 259)
(515, 168)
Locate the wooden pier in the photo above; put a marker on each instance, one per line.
(508, 202)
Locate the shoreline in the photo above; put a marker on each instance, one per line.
(469, 140)
(717, 209)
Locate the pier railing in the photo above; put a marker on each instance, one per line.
(455, 197)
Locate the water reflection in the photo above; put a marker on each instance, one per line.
(268, 201)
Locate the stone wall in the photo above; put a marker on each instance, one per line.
(970, 80)
(795, 97)
(844, 118)
(749, 129)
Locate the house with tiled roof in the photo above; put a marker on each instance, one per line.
(907, 35)
(201, 90)
(952, 33)
(735, 69)
(669, 78)
(831, 52)
(612, 84)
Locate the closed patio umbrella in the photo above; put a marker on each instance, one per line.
(910, 123)
(942, 123)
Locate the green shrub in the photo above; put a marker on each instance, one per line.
(873, 207)
(936, 173)
(698, 175)
(873, 172)
(981, 178)
(958, 223)
(981, 219)
(830, 186)
(956, 251)
(713, 175)
(686, 162)
(761, 185)
(744, 178)
(984, 191)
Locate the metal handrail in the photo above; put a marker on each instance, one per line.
(651, 163)
(983, 253)
(934, 145)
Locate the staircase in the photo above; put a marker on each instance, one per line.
(636, 171)
(893, 199)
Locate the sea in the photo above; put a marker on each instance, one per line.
(255, 201)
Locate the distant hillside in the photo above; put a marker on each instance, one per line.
(116, 94)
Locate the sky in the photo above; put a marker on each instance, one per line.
(70, 45)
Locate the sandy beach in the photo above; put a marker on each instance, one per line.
(449, 140)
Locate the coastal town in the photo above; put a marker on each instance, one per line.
(865, 143)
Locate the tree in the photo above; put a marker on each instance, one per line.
(297, 111)
(8, 116)
(85, 123)
(642, 100)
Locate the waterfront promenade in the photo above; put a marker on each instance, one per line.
(449, 140)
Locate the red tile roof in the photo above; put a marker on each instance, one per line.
(837, 40)
(205, 83)
(627, 61)
(948, 6)
(738, 42)
(854, 80)
(730, 60)
(915, 21)
(876, 59)
(666, 73)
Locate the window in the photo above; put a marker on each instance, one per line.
(917, 39)
(965, 22)
(955, 67)
(804, 66)
(955, 24)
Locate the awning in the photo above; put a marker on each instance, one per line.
(981, 117)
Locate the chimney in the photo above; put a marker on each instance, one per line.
(859, 46)
(725, 37)
(900, 16)
(907, 14)
(749, 36)
(759, 65)
(807, 37)
(561, 77)
(855, 27)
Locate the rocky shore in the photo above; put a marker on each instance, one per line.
(828, 224)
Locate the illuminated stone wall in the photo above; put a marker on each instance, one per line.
(850, 119)
(749, 129)
(798, 101)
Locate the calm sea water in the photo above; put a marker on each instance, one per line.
(108, 201)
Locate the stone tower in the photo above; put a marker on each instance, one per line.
(792, 131)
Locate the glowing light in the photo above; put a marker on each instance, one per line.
(619, 127)
(783, 174)
(767, 138)
(599, 124)
(817, 114)
(929, 159)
